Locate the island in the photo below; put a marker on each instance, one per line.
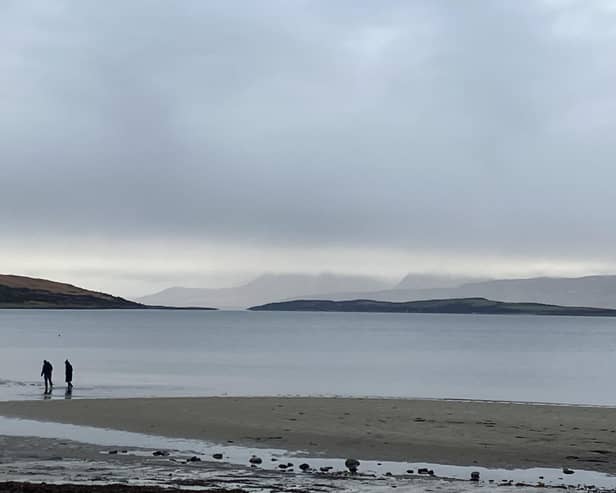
(451, 306)
(29, 292)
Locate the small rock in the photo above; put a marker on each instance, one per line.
(304, 467)
(255, 460)
(194, 458)
(274, 459)
(325, 468)
(124, 451)
(217, 456)
(422, 470)
(282, 466)
(388, 474)
(566, 470)
(475, 476)
(160, 453)
(409, 471)
(112, 452)
(351, 465)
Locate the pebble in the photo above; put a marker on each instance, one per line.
(351, 465)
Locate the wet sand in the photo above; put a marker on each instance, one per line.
(449, 432)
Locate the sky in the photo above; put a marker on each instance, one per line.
(148, 144)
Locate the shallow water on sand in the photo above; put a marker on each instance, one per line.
(170, 353)
(403, 474)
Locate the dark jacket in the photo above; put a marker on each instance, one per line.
(47, 369)
(68, 370)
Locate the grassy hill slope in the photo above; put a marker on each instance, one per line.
(27, 292)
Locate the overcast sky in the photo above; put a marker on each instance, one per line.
(153, 143)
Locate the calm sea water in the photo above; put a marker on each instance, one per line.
(169, 353)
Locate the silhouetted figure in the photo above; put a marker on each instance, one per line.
(46, 373)
(68, 374)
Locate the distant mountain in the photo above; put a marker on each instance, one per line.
(27, 292)
(592, 291)
(264, 289)
(595, 291)
(431, 281)
(458, 306)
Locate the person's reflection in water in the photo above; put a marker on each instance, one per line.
(68, 394)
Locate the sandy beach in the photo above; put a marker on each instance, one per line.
(448, 432)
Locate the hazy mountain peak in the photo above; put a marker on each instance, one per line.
(266, 288)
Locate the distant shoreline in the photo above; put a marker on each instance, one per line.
(123, 308)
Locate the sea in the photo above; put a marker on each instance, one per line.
(155, 353)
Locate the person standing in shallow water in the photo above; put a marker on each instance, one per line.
(46, 373)
(68, 373)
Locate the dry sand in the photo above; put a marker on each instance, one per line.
(449, 432)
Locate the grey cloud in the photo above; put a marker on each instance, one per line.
(454, 126)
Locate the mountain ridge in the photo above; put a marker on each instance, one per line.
(262, 289)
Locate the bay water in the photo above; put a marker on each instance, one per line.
(146, 353)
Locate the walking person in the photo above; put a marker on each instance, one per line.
(68, 374)
(46, 373)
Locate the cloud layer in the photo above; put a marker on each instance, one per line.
(425, 128)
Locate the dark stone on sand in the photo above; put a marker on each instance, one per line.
(274, 459)
(124, 451)
(422, 470)
(351, 465)
(409, 471)
(217, 456)
(475, 476)
(112, 452)
(304, 466)
(282, 466)
(194, 458)
(325, 468)
(388, 473)
(566, 470)
(255, 460)
(160, 453)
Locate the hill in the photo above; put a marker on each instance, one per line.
(27, 292)
(590, 291)
(457, 306)
(264, 289)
